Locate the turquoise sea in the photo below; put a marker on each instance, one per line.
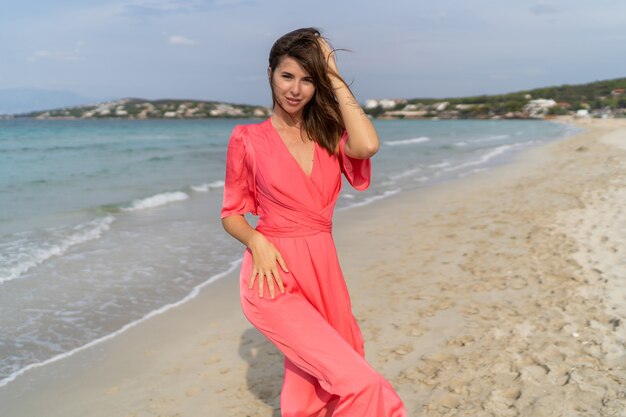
(106, 222)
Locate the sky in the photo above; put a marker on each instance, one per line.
(217, 49)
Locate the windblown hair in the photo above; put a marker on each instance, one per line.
(321, 117)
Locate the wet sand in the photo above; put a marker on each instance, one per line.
(501, 294)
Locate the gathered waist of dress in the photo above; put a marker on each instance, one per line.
(292, 231)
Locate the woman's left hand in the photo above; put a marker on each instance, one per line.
(329, 55)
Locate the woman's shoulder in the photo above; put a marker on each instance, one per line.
(250, 129)
(250, 137)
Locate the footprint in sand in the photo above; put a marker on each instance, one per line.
(403, 350)
(212, 360)
(191, 391)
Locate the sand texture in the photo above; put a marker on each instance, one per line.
(502, 294)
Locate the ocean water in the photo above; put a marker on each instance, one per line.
(104, 223)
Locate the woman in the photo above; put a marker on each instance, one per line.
(287, 170)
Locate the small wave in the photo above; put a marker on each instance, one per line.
(193, 294)
(440, 165)
(369, 200)
(421, 139)
(485, 158)
(160, 158)
(462, 143)
(156, 201)
(492, 138)
(20, 256)
(472, 172)
(203, 188)
(404, 174)
(37, 182)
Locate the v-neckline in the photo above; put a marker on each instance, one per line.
(293, 158)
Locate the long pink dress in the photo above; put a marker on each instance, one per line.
(312, 322)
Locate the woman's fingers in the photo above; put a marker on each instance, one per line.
(279, 282)
(281, 262)
(261, 284)
(270, 285)
(268, 273)
(252, 279)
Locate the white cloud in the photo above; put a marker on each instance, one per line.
(180, 40)
(44, 54)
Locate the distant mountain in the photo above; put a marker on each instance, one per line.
(605, 98)
(137, 108)
(24, 100)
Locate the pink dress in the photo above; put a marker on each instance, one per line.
(312, 322)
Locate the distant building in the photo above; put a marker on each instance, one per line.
(582, 113)
(371, 104)
(385, 103)
(539, 107)
(440, 106)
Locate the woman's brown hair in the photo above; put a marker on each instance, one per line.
(321, 117)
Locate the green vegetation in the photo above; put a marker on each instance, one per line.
(135, 108)
(599, 98)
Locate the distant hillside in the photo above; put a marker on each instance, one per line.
(136, 108)
(600, 98)
(596, 99)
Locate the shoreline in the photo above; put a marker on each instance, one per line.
(489, 160)
(195, 371)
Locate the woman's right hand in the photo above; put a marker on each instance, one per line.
(265, 258)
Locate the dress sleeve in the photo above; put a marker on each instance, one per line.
(239, 186)
(357, 171)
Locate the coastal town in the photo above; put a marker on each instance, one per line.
(133, 108)
(538, 108)
(600, 99)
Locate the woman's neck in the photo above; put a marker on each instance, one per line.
(283, 119)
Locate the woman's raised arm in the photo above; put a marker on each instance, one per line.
(362, 137)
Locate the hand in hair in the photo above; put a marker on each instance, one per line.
(329, 55)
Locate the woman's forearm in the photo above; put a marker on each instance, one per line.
(239, 228)
(363, 140)
(362, 137)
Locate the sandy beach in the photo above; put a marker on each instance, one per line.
(501, 294)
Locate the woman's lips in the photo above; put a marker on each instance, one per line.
(292, 101)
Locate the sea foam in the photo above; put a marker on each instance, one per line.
(156, 201)
(486, 157)
(19, 256)
(371, 199)
(411, 141)
(492, 138)
(203, 188)
(192, 294)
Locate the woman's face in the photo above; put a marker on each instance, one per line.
(292, 85)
